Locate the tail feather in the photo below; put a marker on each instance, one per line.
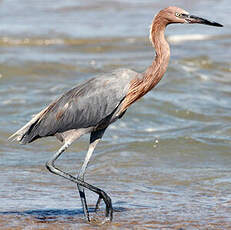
(21, 135)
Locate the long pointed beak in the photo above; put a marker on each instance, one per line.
(195, 19)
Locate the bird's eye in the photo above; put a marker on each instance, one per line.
(178, 15)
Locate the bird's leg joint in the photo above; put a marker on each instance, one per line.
(50, 166)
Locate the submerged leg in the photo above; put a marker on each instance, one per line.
(52, 168)
(98, 203)
(94, 140)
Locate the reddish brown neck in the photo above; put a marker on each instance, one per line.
(156, 70)
(153, 74)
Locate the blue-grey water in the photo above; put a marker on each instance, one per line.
(166, 164)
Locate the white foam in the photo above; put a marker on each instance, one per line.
(31, 41)
(150, 130)
(204, 77)
(175, 39)
(13, 101)
(189, 68)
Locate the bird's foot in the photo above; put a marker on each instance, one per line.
(98, 221)
(98, 203)
(109, 210)
(106, 220)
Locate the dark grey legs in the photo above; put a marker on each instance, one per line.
(95, 138)
(81, 176)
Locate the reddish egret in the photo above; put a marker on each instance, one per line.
(93, 105)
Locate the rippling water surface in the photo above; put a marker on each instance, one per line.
(166, 164)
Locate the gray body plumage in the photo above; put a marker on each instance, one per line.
(94, 103)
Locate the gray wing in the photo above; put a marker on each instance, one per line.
(83, 106)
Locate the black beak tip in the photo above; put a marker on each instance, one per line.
(218, 24)
(195, 19)
(211, 23)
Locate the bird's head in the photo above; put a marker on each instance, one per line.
(174, 14)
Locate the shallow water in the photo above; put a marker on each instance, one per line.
(166, 164)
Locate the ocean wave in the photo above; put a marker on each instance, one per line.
(176, 39)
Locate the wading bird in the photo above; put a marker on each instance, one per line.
(93, 105)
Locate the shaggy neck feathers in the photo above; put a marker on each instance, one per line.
(154, 73)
